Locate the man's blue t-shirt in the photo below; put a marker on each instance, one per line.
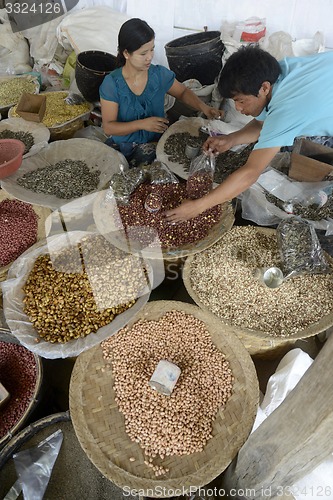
(133, 107)
(301, 103)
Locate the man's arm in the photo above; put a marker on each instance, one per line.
(247, 134)
(235, 184)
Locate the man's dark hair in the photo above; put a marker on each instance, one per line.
(246, 70)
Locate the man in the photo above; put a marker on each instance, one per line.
(290, 98)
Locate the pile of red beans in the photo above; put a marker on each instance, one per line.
(18, 374)
(149, 225)
(18, 229)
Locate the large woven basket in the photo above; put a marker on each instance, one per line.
(100, 426)
(258, 343)
(8, 337)
(104, 220)
(64, 130)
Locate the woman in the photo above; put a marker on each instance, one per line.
(132, 96)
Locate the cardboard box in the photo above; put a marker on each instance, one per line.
(32, 107)
(310, 162)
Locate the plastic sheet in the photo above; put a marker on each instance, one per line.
(34, 468)
(99, 157)
(18, 321)
(40, 133)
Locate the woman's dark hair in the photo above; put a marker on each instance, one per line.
(246, 70)
(132, 35)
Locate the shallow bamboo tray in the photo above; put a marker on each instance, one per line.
(104, 220)
(99, 425)
(256, 342)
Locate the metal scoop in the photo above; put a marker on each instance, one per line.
(73, 98)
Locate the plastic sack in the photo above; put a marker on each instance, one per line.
(235, 35)
(34, 468)
(14, 49)
(299, 248)
(159, 173)
(201, 176)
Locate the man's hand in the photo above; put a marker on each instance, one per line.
(187, 210)
(218, 144)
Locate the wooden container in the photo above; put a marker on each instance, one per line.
(310, 161)
(32, 107)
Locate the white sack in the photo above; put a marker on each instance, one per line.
(91, 29)
(43, 41)
(14, 49)
(290, 370)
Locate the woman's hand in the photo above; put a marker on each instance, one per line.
(187, 210)
(155, 124)
(213, 113)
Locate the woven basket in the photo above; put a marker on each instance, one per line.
(67, 129)
(99, 425)
(256, 342)
(103, 218)
(8, 337)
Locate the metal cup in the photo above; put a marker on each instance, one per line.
(191, 151)
(272, 277)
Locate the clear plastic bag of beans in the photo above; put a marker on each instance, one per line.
(124, 183)
(299, 248)
(159, 173)
(201, 176)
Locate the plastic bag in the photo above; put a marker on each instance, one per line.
(159, 173)
(34, 468)
(124, 183)
(299, 247)
(201, 176)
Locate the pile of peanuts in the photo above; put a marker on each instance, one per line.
(18, 374)
(179, 424)
(149, 225)
(81, 289)
(18, 229)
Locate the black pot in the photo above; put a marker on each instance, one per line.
(91, 68)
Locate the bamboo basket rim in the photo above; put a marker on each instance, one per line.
(8, 337)
(256, 341)
(103, 222)
(99, 426)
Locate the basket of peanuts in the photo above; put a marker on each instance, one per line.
(167, 402)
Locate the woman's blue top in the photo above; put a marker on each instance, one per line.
(136, 107)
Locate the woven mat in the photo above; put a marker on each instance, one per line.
(256, 342)
(100, 426)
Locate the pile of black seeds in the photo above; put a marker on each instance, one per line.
(25, 137)
(311, 212)
(65, 179)
(225, 163)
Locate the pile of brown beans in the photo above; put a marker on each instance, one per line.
(83, 288)
(179, 424)
(222, 277)
(198, 184)
(18, 374)
(170, 235)
(18, 229)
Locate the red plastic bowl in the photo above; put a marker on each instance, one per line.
(11, 153)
